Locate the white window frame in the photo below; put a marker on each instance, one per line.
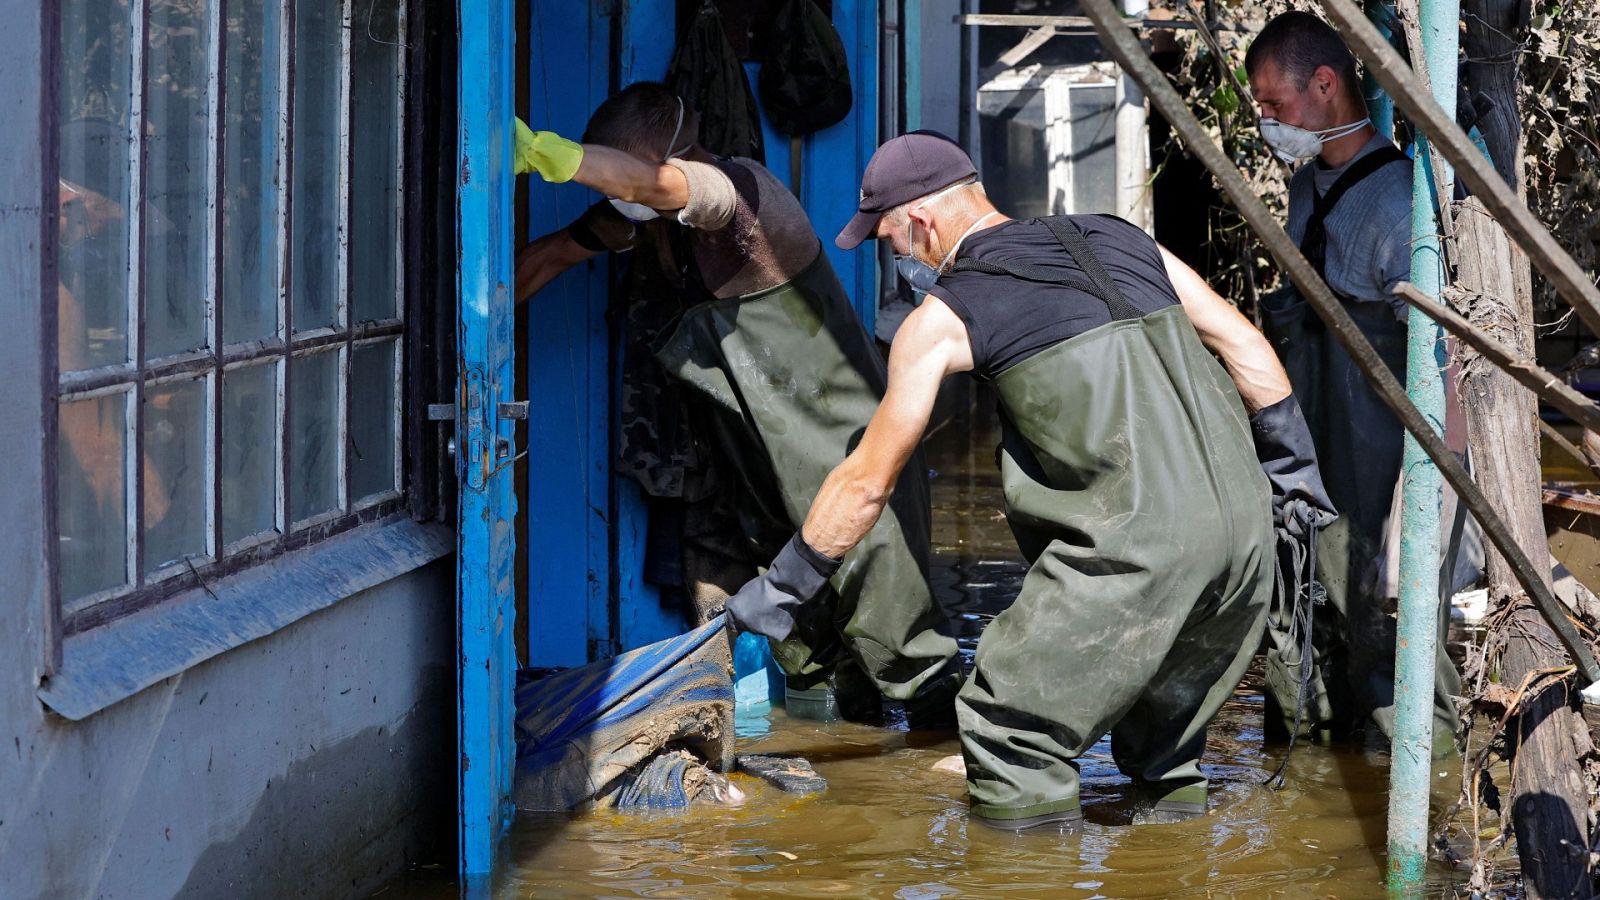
(1057, 82)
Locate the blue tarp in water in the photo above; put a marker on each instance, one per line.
(580, 730)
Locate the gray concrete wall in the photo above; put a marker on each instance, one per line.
(942, 104)
(313, 762)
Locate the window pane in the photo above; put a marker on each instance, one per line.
(95, 137)
(1016, 160)
(249, 451)
(251, 196)
(91, 498)
(174, 475)
(372, 419)
(374, 138)
(315, 181)
(1094, 149)
(314, 387)
(175, 179)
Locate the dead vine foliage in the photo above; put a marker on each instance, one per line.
(1559, 52)
(1480, 821)
(1210, 72)
(1560, 62)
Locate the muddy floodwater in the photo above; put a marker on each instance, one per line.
(891, 826)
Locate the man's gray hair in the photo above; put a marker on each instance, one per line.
(966, 197)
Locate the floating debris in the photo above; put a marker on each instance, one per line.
(674, 780)
(787, 773)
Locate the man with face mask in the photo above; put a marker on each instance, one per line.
(1131, 483)
(1350, 212)
(766, 378)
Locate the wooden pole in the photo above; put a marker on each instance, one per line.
(1549, 800)
(1121, 44)
(1531, 375)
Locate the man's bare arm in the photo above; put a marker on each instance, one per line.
(1245, 352)
(626, 177)
(539, 262)
(931, 344)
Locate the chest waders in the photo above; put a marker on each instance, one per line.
(791, 379)
(1359, 446)
(1133, 489)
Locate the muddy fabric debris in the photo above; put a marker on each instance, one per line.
(789, 774)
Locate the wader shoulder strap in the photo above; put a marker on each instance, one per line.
(1100, 284)
(1315, 243)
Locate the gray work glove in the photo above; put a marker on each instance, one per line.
(1283, 445)
(769, 603)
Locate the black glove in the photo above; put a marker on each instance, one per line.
(768, 603)
(1283, 445)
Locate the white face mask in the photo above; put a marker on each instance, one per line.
(633, 212)
(919, 274)
(638, 212)
(1292, 143)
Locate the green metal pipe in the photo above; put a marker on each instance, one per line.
(1418, 627)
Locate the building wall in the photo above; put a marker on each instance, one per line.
(313, 762)
(942, 101)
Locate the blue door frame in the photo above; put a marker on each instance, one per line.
(588, 599)
(586, 526)
(486, 650)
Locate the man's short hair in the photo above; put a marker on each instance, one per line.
(967, 198)
(640, 120)
(1300, 43)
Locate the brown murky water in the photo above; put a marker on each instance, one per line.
(889, 826)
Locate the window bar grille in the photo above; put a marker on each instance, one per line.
(133, 378)
(287, 261)
(134, 444)
(399, 308)
(216, 186)
(49, 322)
(345, 309)
(284, 18)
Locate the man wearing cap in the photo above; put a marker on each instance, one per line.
(747, 319)
(1130, 481)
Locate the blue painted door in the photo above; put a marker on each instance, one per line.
(486, 650)
(569, 361)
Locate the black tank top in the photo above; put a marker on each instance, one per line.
(1009, 319)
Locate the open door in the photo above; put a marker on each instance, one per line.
(485, 432)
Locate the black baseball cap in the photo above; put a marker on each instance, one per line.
(903, 169)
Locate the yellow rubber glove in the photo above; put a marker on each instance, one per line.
(554, 157)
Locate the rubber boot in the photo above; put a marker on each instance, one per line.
(1066, 821)
(1162, 806)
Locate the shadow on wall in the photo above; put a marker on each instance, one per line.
(354, 818)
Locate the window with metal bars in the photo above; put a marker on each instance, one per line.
(229, 306)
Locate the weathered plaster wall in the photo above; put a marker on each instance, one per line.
(941, 66)
(313, 762)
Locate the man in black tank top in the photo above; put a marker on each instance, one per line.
(1006, 327)
(1131, 483)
